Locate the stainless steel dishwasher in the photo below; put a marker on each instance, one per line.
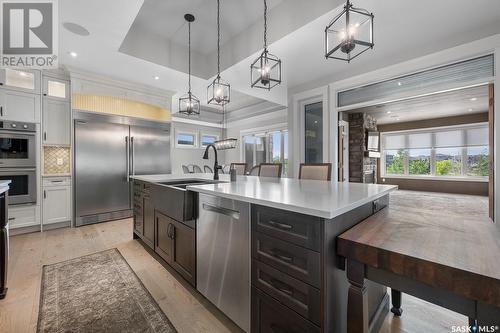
(223, 256)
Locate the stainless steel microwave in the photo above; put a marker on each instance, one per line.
(17, 145)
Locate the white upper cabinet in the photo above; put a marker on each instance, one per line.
(19, 106)
(56, 122)
(20, 80)
(55, 88)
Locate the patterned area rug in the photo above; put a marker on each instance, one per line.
(97, 293)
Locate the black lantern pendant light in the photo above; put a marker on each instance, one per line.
(189, 104)
(265, 71)
(349, 34)
(219, 91)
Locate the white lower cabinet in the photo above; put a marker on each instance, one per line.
(56, 200)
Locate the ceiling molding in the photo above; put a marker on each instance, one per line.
(270, 114)
(81, 74)
(195, 122)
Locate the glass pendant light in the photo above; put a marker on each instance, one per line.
(189, 104)
(349, 34)
(219, 91)
(265, 71)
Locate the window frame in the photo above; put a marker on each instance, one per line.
(202, 134)
(182, 132)
(265, 132)
(462, 147)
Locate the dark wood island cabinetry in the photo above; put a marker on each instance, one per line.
(298, 282)
(174, 242)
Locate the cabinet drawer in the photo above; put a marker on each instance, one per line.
(297, 295)
(303, 230)
(56, 181)
(301, 263)
(269, 316)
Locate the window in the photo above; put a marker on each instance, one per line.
(266, 147)
(419, 161)
(453, 152)
(207, 139)
(448, 162)
(185, 140)
(314, 132)
(478, 161)
(395, 162)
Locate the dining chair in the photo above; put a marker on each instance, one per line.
(270, 170)
(240, 168)
(208, 169)
(316, 171)
(185, 169)
(196, 169)
(254, 171)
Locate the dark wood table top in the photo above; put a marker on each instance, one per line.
(438, 247)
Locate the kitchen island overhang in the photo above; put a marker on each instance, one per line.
(311, 197)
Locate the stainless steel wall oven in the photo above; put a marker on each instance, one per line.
(18, 160)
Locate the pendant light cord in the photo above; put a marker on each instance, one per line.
(265, 25)
(189, 56)
(218, 38)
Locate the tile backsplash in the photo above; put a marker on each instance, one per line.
(57, 160)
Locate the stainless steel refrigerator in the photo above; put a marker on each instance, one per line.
(108, 150)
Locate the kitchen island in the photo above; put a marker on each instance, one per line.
(262, 250)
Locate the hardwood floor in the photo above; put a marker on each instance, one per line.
(188, 311)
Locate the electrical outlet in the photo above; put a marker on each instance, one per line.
(60, 161)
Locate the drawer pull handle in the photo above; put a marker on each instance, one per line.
(282, 226)
(12, 218)
(275, 283)
(281, 257)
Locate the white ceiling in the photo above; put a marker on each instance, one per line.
(453, 103)
(403, 30)
(165, 18)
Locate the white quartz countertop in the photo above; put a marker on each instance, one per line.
(310, 197)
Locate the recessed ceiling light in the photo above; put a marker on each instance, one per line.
(473, 99)
(388, 112)
(156, 77)
(73, 54)
(397, 119)
(470, 109)
(399, 84)
(76, 29)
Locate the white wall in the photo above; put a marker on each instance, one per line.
(186, 156)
